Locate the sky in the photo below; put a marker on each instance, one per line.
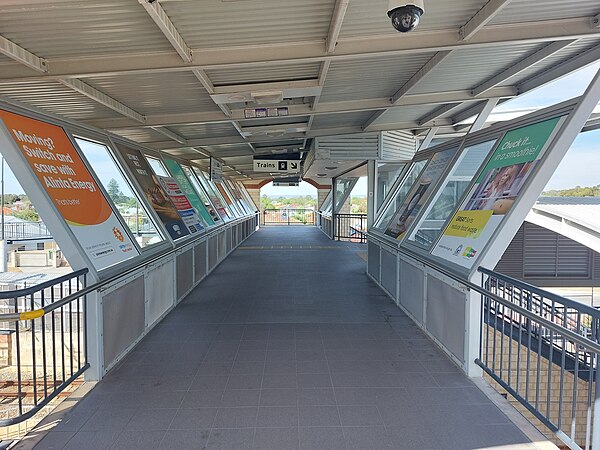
(578, 168)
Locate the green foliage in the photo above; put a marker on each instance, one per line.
(300, 202)
(265, 202)
(27, 214)
(114, 191)
(577, 191)
(358, 205)
(9, 199)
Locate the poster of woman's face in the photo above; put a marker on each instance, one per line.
(499, 188)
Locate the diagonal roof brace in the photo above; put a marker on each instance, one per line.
(18, 53)
(158, 14)
(337, 21)
(103, 99)
(481, 19)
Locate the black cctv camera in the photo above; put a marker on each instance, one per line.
(405, 16)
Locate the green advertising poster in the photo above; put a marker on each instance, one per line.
(495, 192)
(189, 191)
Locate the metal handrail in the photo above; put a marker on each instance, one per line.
(33, 314)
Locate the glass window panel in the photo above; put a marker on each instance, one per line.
(215, 197)
(448, 195)
(326, 207)
(226, 195)
(203, 196)
(110, 174)
(387, 174)
(157, 166)
(343, 188)
(414, 201)
(240, 200)
(401, 193)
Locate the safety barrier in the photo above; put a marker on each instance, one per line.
(351, 227)
(44, 344)
(26, 230)
(289, 217)
(543, 349)
(325, 224)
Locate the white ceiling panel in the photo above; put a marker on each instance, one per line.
(226, 23)
(263, 74)
(365, 18)
(56, 98)
(76, 28)
(141, 134)
(341, 120)
(527, 11)
(370, 78)
(464, 69)
(205, 130)
(157, 93)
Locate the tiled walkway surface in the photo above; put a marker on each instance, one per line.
(287, 345)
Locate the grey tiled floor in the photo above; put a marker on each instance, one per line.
(286, 348)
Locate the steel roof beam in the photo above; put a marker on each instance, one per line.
(162, 20)
(168, 133)
(432, 117)
(103, 99)
(524, 64)
(481, 19)
(337, 20)
(306, 52)
(18, 53)
(484, 115)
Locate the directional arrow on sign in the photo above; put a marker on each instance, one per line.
(294, 166)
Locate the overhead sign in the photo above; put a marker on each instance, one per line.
(216, 170)
(496, 190)
(279, 182)
(71, 188)
(273, 165)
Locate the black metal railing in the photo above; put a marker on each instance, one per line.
(289, 217)
(543, 349)
(44, 344)
(351, 227)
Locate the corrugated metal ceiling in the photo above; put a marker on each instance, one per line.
(528, 11)
(141, 134)
(273, 72)
(205, 130)
(355, 119)
(405, 114)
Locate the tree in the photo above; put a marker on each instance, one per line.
(113, 188)
(27, 214)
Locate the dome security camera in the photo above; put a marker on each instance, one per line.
(405, 16)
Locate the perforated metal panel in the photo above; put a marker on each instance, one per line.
(411, 289)
(160, 292)
(229, 235)
(213, 245)
(123, 319)
(185, 273)
(373, 260)
(389, 267)
(446, 316)
(222, 251)
(200, 261)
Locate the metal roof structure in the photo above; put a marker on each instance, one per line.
(184, 76)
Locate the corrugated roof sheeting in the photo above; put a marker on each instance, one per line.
(405, 114)
(564, 55)
(368, 17)
(142, 135)
(527, 11)
(226, 23)
(354, 119)
(273, 121)
(56, 98)
(205, 130)
(263, 74)
(186, 153)
(78, 29)
(221, 151)
(157, 93)
(370, 78)
(465, 69)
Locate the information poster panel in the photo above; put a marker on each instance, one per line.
(155, 193)
(182, 204)
(188, 190)
(72, 189)
(495, 192)
(414, 201)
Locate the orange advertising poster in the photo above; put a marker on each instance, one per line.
(69, 184)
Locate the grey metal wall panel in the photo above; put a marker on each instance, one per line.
(373, 256)
(411, 289)
(446, 316)
(200, 261)
(185, 272)
(596, 266)
(230, 233)
(389, 272)
(540, 251)
(511, 263)
(123, 318)
(354, 147)
(222, 252)
(212, 252)
(160, 291)
(398, 146)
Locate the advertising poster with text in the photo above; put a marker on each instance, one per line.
(189, 191)
(71, 187)
(154, 192)
(414, 201)
(495, 192)
(182, 204)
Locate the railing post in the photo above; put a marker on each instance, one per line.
(596, 420)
